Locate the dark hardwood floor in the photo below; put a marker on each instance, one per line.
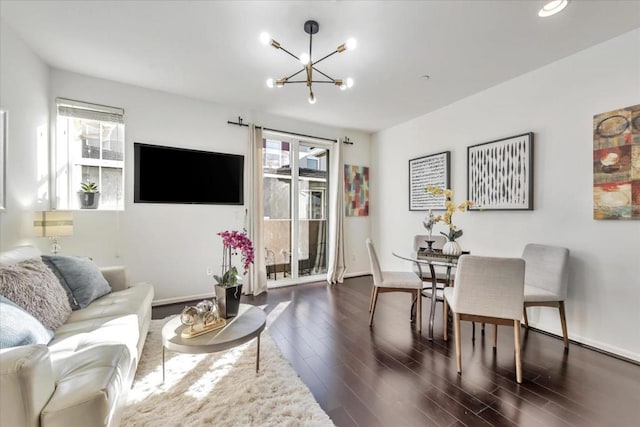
(388, 375)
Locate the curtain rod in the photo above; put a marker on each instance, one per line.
(239, 123)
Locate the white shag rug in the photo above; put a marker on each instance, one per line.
(219, 389)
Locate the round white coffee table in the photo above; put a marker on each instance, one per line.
(248, 324)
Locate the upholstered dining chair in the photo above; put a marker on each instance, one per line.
(393, 281)
(546, 279)
(488, 290)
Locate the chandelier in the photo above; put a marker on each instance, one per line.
(309, 65)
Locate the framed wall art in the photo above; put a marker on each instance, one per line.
(500, 174)
(433, 169)
(356, 190)
(616, 164)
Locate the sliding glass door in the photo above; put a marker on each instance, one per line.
(296, 178)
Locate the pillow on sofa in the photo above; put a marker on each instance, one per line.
(19, 327)
(72, 300)
(81, 276)
(32, 286)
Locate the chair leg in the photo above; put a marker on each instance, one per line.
(445, 318)
(373, 305)
(563, 322)
(516, 342)
(526, 319)
(373, 291)
(419, 310)
(495, 336)
(456, 333)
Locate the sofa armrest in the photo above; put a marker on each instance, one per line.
(26, 384)
(117, 277)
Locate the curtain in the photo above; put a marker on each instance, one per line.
(336, 265)
(257, 282)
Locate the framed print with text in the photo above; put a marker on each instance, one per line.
(433, 169)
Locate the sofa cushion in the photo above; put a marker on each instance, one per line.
(31, 285)
(81, 276)
(17, 327)
(134, 300)
(77, 338)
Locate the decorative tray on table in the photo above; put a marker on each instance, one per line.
(201, 328)
(200, 319)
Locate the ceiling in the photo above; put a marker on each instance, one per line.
(210, 50)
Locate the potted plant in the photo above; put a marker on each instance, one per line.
(229, 287)
(88, 195)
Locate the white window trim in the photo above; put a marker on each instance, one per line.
(62, 160)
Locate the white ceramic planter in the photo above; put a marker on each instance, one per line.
(451, 248)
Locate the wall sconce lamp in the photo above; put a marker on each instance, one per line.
(53, 224)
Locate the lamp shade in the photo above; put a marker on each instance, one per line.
(53, 223)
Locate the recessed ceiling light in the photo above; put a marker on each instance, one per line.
(425, 76)
(552, 7)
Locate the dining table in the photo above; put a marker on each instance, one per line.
(431, 258)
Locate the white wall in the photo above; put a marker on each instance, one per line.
(24, 94)
(170, 246)
(557, 103)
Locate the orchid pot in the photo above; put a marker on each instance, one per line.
(228, 290)
(452, 248)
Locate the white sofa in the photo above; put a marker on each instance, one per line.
(81, 378)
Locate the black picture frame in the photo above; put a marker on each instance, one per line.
(433, 169)
(500, 174)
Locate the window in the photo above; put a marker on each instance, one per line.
(89, 148)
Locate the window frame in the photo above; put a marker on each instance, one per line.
(68, 151)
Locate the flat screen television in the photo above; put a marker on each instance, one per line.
(179, 175)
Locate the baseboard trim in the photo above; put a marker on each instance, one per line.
(174, 300)
(599, 347)
(301, 281)
(357, 274)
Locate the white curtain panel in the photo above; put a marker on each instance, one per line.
(257, 281)
(336, 266)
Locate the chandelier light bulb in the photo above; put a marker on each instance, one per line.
(349, 82)
(305, 58)
(351, 43)
(343, 86)
(265, 38)
(552, 7)
(269, 82)
(312, 98)
(280, 83)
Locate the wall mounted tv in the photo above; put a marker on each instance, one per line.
(179, 175)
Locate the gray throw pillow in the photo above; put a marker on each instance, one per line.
(81, 276)
(72, 300)
(31, 285)
(17, 327)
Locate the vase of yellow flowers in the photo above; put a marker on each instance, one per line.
(452, 247)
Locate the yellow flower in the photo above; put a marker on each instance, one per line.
(450, 207)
